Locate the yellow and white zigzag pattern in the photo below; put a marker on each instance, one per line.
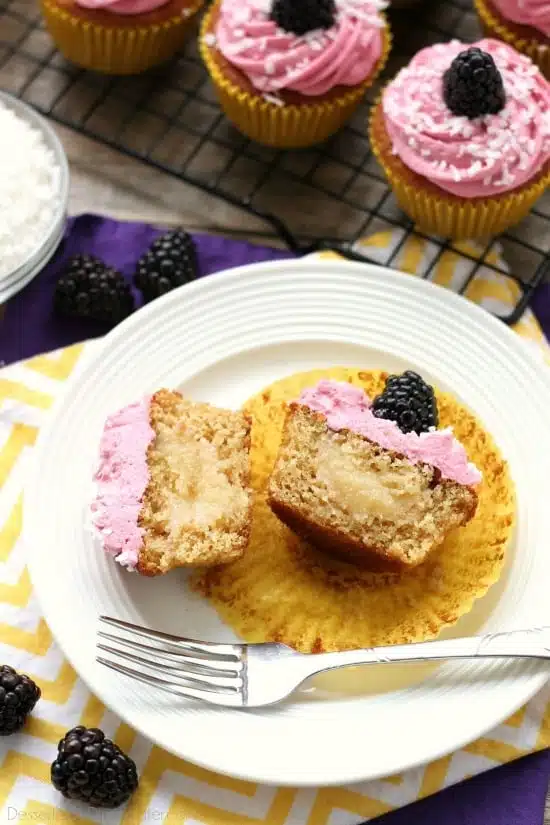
(171, 790)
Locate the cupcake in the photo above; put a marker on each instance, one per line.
(525, 24)
(119, 37)
(463, 134)
(289, 74)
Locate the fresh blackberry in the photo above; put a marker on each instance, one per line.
(170, 262)
(93, 769)
(18, 696)
(472, 85)
(408, 401)
(90, 289)
(303, 16)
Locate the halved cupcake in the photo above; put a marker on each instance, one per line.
(463, 135)
(290, 74)
(376, 483)
(173, 485)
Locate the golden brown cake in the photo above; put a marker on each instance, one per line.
(173, 485)
(353, 498)
(285, 590)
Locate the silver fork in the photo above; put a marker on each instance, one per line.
(253, 675)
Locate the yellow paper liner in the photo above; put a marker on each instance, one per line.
(436, 212)
(496, 28)
(283, 590)
(290, 126)
(118, 50)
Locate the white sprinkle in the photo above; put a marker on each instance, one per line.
(210, 39)
(273, 99)
(455, 173)
(29, 190)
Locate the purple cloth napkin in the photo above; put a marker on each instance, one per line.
(30, 326)
(513, 794)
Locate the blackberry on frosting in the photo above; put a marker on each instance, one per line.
(473, 86)
(469, 156)
(303, 16)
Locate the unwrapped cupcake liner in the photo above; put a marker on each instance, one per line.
(285, 126)
(449, 215)
(496, 28)
(118, 50)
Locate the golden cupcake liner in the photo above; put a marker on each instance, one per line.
(290, 126)
(284, 590)
(496, 28)
(448, 215)
(118, 50)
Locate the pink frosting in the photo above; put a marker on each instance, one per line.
(535, 13)
(469, 158)
(123, 6)
(348, 408)
(312, 64)
(121, 479)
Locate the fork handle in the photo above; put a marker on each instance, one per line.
(530, 644)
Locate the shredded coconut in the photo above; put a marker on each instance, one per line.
(29, 190)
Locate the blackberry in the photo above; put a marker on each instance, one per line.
(303, 16)
(90, 289)
(92, 769)
(170, 262)
(408, 401)
(472, 85)
(18, 696)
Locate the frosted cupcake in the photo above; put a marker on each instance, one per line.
(289, 73)
(525, 24)
(463, 135)
(119, 37)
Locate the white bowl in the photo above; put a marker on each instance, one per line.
(45, 249)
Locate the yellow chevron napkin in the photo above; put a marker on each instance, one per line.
(171, 790)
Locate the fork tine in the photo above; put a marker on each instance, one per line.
(193, 646)
(201, 665)
(232, 699)
(214, 683)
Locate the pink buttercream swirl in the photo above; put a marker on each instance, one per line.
(311, 64)
(121, 479)
(123, 6)
(348, 408)
(535, 13)
(470, 158)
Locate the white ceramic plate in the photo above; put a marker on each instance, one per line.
(221, 339)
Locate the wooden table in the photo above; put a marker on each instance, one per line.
(108, 182)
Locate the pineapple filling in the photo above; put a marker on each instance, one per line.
(199, 492)
(371, 486)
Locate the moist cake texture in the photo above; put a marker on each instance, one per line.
(173, 485)
(284, 590)
(350, 496)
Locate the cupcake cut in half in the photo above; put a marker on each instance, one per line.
(463, 135)
(173, 485)
(383, 493)
(290, 73)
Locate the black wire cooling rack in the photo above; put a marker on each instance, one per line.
(323, 198)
